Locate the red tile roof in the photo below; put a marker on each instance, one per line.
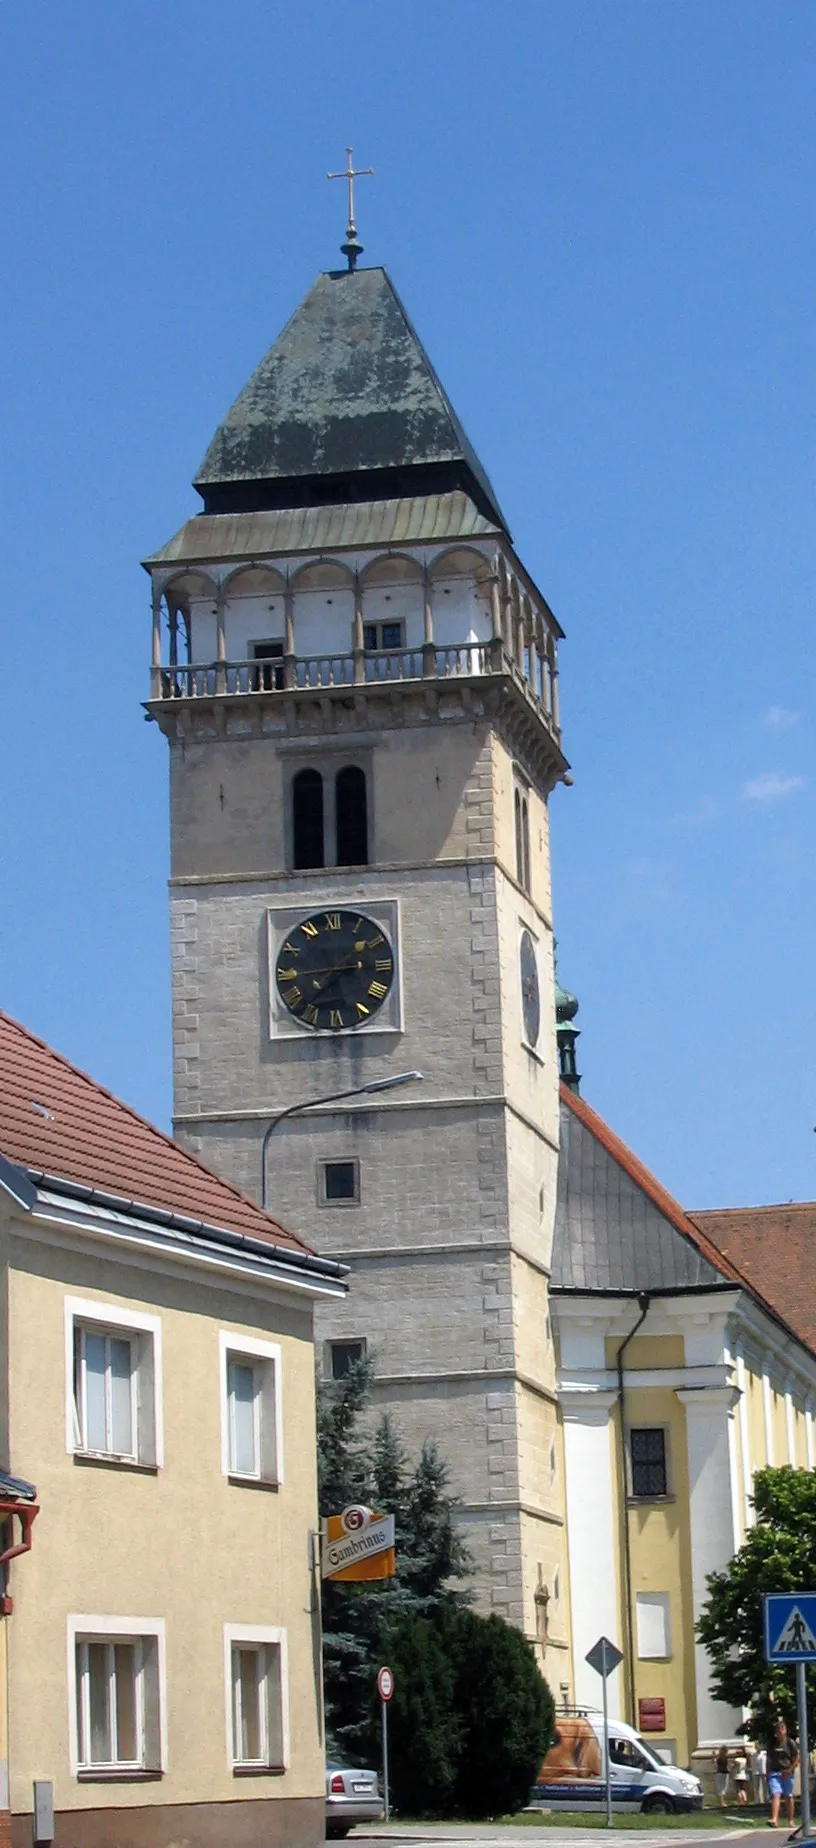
(774, 1247)
(57, 1121)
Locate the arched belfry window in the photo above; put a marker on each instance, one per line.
(351, 809)
(522, 840)
(307, 819)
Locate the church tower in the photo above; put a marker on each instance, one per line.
(356, 677)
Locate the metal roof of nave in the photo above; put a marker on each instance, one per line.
(346, 397)
(415, 520)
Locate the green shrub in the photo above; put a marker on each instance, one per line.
(471, 1717)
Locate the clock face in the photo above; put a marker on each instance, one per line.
(530, 997)
(334, 970)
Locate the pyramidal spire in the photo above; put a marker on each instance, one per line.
(346, 406)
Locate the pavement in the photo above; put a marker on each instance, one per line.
(474, 1834)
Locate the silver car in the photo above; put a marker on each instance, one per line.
(351, 1796)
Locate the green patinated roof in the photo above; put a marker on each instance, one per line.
(347, 391)
(427, 518)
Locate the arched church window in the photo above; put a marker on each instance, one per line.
(307, 819)
(351, 808)
(519, 849)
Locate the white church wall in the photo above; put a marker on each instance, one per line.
(590, 1506)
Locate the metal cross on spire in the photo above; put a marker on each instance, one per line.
(352, 249)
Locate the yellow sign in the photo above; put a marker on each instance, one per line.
(358, 1544)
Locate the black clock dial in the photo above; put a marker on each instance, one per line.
(334, 970)
(530, 997)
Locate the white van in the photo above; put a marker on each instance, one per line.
(572, 1776)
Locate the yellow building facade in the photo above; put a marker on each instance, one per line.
(158, 1388)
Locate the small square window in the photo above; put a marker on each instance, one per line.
(648, 1454)
(344, 1356)
(257, 1699)
(339, 1183)
(251, 1413)
(383, 635)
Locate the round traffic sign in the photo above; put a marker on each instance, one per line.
(385, 1684)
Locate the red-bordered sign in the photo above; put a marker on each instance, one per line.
(385, 1684)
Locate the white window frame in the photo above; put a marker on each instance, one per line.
(234, 1346)
(95, 1628)
(148, 1418)
(255, 1636)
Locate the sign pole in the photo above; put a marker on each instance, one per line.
(804, 1755)
(385, 1688)
(605, 1657)
(384, 1710)
(607, 1765)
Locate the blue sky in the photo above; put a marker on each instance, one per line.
(600, 217)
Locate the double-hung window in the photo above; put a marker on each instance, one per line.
(257, 1732)
(113, 1384)
(251, 1410)
(117, 1670)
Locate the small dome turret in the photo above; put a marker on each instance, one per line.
(566, 1008)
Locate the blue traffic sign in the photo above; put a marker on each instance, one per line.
(790, 1626)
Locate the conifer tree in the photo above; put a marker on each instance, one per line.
(358, 1463)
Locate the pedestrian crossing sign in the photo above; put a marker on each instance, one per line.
(790, 1626)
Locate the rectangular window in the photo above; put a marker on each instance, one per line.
(648, 1458)
(380, 636)
(257, 1731)
(339, 1182)
(252, 1427)
(344, 1356)
(113, 1383)
(116, 1668)
(105, 1393)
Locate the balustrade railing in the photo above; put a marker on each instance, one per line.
(191, 680)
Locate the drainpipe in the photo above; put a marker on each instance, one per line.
(643, 1305)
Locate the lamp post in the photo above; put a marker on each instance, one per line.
(334, 1097)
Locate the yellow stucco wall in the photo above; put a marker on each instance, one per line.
(660, 1546)
(184, 1544)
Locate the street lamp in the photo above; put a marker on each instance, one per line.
(335, 1097)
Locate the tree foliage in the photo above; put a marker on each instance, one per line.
(471, 1717)
(358, 1463)
(777, 1554)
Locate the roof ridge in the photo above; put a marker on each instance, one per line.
(144, 1122)
(649, 1184)
(775, 1206)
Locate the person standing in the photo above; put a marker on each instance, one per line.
(721, 1773)
(783, 1758)
(741, 1776)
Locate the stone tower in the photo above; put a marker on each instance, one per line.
(357, 680)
